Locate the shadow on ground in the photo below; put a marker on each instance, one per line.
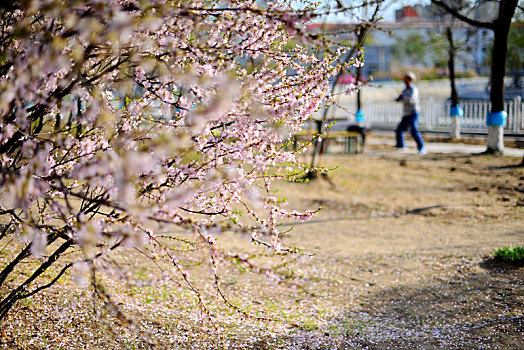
(482, 309)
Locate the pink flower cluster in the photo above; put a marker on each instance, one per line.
(122, 119)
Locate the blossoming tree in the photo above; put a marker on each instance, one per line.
(121, 120)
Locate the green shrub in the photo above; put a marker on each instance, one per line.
(424, 73)
(467, 74)
(513, 255)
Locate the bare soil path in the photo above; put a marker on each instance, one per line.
(399, 258)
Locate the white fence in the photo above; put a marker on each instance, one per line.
(435, 115)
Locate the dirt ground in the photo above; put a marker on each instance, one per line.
(416, 233)
(398, 258)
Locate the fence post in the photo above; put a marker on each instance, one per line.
(427, 104)
(517, 113)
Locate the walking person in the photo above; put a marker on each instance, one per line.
(410, 111)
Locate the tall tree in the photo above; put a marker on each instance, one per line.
(451, 67)
(371, 15)
(500, 26)
(455, 110)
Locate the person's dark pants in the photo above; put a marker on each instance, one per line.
(411, 122)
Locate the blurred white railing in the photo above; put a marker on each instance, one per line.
(434, 115)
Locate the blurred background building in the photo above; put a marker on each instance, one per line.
(415, 39)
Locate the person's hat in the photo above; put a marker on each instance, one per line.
(411, 76)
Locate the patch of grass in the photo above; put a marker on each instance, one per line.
(513, 255)
(309, 325)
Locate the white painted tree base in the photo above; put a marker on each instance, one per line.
(455, 127)
(495, 139)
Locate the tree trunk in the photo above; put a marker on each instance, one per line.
(516, 78)
(359, 116)
(18, 293)
(359, 99)
(11, 266)
(498, 70)
(455, 127)
(451, 67)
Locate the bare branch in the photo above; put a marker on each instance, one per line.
(455, 13)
